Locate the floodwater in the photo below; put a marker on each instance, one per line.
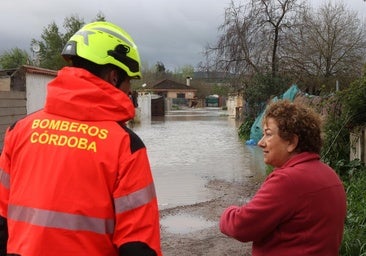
(187, 148)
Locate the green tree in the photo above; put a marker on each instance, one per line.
(71, 25)
(53, 40)
(14, 58)
(160, 71)
(187, 71)
(220, 90)
(346, 110)
(51, 46)
(354, 100)
(160, 67)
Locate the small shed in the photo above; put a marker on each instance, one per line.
(157, 106)
(212, 101)
(22, 91)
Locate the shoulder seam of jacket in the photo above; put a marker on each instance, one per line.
(135, 141)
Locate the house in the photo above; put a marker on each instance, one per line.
(173, 93)
(22, 91)
(173, 90)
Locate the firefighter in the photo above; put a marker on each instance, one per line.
(74, 179)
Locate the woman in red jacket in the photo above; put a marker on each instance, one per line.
(74, 179)
(300, 209)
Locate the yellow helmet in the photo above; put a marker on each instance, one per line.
(105, 43)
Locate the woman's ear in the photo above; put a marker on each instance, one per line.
(292, 144)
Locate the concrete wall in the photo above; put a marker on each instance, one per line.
(358, 144)
(143, 111)
(36, 88)
(234, 105)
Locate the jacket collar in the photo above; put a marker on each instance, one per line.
(300, 158)
(76, 93)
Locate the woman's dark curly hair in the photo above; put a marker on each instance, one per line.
(295, 119)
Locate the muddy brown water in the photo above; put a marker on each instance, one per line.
(187, 148)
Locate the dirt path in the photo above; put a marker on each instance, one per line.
(208, 241)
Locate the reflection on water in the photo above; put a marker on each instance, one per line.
(187, 148)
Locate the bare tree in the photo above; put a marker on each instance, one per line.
(251, 47)
(278, 16)
(328, 45)
(252, 36)
(238, 48)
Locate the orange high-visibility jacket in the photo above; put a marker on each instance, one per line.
(74, 180)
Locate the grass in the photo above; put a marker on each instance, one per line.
(354, 238)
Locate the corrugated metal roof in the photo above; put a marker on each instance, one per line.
(28, 69)
(37, 70)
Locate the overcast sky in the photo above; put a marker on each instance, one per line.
(174, 32)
